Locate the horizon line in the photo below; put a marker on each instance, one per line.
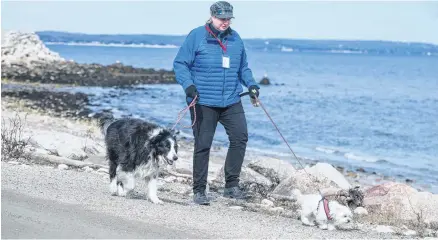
(247, 38)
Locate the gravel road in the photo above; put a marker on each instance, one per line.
(44, 202)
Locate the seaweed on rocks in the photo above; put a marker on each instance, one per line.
(63, 72)
(60, 104)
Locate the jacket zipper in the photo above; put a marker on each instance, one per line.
(225, 75)
(223, 88)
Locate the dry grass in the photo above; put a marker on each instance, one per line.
(13, 141)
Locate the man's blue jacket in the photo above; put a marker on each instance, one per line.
(199, 62)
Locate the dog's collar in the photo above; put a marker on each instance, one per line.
(325, 203)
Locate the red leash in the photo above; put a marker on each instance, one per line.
(278, 130)
(324, 199)
(184, 111)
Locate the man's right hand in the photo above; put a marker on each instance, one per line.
(192, 92)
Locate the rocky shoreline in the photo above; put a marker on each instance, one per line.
(86, 74)
(46, 99)
(25, 58)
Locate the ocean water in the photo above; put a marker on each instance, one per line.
(378, 112)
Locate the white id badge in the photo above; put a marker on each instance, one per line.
(225, 62)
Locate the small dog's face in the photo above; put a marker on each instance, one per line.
(341, 214)
(168, 149)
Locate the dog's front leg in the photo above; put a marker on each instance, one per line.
(330, 227)
(152, 190)
(306, 221)
(130, 183)
(323, 226)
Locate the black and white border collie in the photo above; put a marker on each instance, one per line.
(137, 149)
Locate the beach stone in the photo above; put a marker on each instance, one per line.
(87, 169)
(103, 170)
(276, 210)
(401, 202)
(352, 174)
(410, 233)
(319, 176)
(267, 202)
(265, 81)
(360, 211)
(236, 207)
(383, 229)
(170, 179)
(62, 167)
(274, 169)
(249, 179)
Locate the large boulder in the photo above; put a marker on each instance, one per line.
(274, 169)
(26, 48)
(331, 173)
(310, 180)
(249, 179)
(401, 202)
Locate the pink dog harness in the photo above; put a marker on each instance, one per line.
(326, 208)
(325, 203)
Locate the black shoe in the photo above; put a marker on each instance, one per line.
(235, 192)
(201, 199)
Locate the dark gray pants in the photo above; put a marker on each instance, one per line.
(234, 121)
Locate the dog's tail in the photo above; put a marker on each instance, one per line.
(297, 194)
(105, 121)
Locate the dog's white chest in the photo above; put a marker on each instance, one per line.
(146, 170)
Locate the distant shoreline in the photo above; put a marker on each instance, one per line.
(98, 44)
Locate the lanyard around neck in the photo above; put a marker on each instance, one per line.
(219, 41)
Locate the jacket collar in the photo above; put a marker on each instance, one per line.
(220, 34)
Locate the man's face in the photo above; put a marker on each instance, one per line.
(221, 24)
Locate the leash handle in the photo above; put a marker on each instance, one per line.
(244, 94)
(254, 102)
(184, 111)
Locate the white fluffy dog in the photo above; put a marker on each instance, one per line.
(312, 210)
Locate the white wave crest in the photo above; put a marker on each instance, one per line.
(325, 150)
(286, 49)
(352, 156)
(346, 51)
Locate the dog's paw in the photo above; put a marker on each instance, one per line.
(157, 201)
(113, 188)
(330, 227)
(323, 226)
(121, 191)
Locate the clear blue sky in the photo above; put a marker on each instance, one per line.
(368, 20)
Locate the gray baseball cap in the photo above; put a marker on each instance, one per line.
(221, 9)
